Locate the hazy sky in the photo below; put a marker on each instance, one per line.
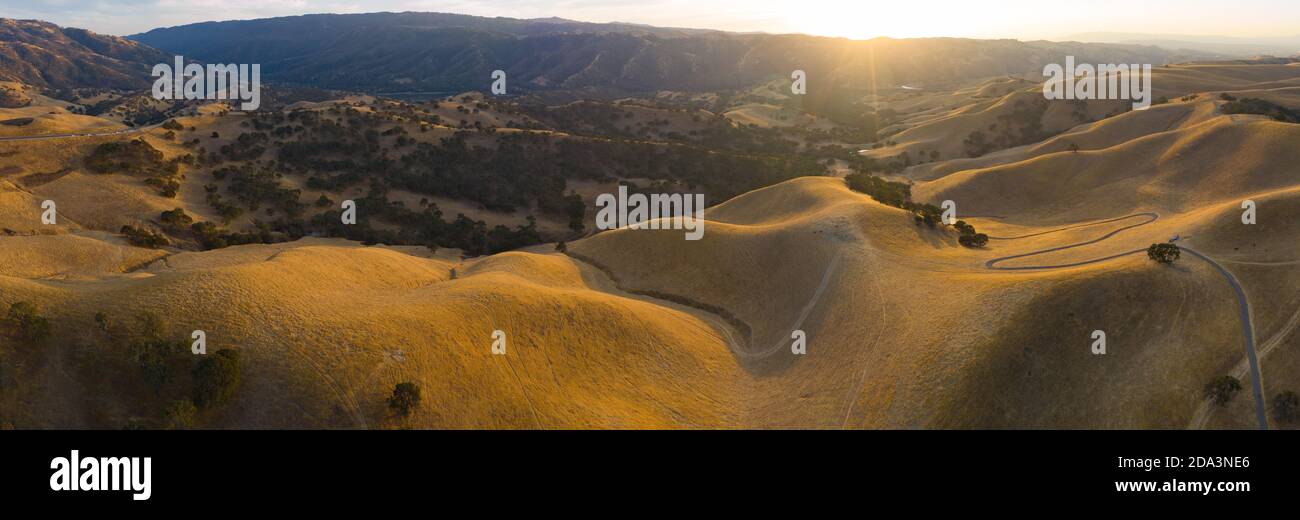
(1021, 19)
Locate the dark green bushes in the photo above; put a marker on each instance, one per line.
(215, 378)
(1261, 107)
(1164, 253)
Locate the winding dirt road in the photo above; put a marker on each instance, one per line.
(1243, 310)
(992, 264)
(1243, 304)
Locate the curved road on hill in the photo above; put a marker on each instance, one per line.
(1243, 310)
(992, 264)
(1076, 226)
(1243, 305)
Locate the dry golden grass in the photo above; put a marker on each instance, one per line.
(70, 257)
(1223, 158)
(51, 121)
(908, 331)
(47, 116)
(643, 329)
(765, 115)
(327, 328)
(942, 120)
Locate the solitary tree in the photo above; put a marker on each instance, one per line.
(1164, 252)
(406, 396)
(1221, 389)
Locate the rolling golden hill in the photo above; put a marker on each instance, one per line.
(638, 328)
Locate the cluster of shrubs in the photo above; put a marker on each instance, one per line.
(215, 378)
(1164, 253)
(144, 237)
(175, 219)
(183, 383)
(227, 211)
(247, 147)
(711, 130)
(526, 169)
(405, 398)
(134, 157)
(256, 186)
(207, 235)
(139, 158)
(1221, 389)
(426, 227)
(899, 195)
(1285, 404)
(187, 383)
(889, 193)
(1022, 126)
(1259, 107)
(341, 147)
(166, 187)
(27, 322)
(969, 237)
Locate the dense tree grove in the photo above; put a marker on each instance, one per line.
(341, 149)
(138, 158)
(899, 195)
(889, 193)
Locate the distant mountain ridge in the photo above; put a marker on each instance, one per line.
(46, 55)
(1269, 45)
(399, 52)
(391, 52)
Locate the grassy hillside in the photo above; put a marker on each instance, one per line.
(228, 223)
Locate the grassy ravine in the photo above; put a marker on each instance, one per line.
(675, 298)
